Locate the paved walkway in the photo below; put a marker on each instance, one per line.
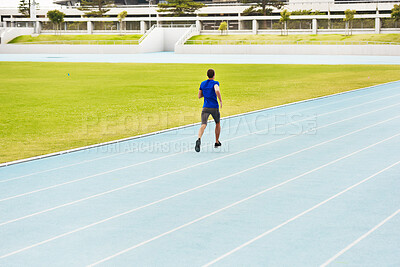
(170, 57)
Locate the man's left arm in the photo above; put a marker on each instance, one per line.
(200, 93)
(218, 93)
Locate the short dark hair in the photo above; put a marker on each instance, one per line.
(210, 73)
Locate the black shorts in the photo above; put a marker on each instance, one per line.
(206, 113)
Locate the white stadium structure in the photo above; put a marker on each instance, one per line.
(372, 17)
(215, 8)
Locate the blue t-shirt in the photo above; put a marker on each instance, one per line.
(210, 97)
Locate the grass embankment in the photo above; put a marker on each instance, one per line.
(44, 110)
(75, 38)
(303, 37)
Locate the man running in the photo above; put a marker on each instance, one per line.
(209, 89)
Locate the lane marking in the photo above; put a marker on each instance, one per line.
(189, 190)
(81, 162)
(360, 239)
(143, 181)
(298, 216)
(203, 217)
(194, 124)
(204, 162)
(229, 117)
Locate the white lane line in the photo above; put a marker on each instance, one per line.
(185, 168)
(150, 204)
(360, 239)
(145, 147)
(140, 163)
(196, 124)
(233, 204)
(148, 146)
(195, 188)
(83, 162)
(298, 216)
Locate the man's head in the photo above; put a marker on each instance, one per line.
(210, 73)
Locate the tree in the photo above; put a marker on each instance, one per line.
(395, 13)
(317, 12)
(102, 7)
(255, 11)
(349, 20)
(25, 8)
(56, 17)
(306, 12)
(285, 17)
(121, 17)
(263, 4)
(223, 27)
(177, 8)
(302, 12)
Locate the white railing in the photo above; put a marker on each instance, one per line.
(174, 25)
(284, 42)
(192, 30)
(86, 42)
(63, 31)
(147, 33)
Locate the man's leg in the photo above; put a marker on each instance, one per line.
(204, 118)
(201, 130)
(216, 115)
(217, 131)
(198, 142)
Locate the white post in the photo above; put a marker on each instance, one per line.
(329, 16)
(38, 27)
(239, 23)
(285, 27)
(199, 25)
(142, 27)
(89, 27)
(314, 26)
(255, 26)
(377, 21)
(377, 25)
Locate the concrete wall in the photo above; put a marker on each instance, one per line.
(164, 39)
(10, 33)
(161, 39)
(154, 41)
(68, 49)
(366, 50)
(171, 36)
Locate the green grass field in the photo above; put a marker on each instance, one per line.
(63, 37)
(44, 110)
(305, 37)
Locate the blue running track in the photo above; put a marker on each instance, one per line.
(314, 183)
